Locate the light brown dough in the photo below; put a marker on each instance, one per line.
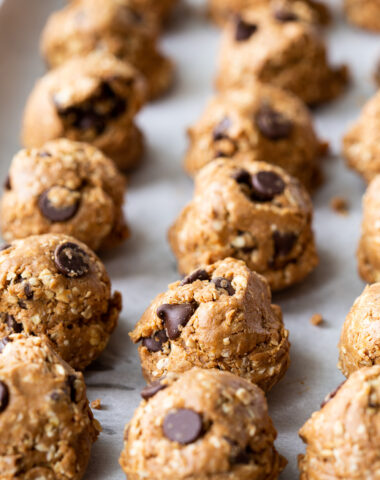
(92, 99)
(222, 418)
(263, 123)
(56, 286)
(226, 321)
(359, 344)
(64, 187)
(363, 13)
(46, 426)
(361, 144)
(229, 217)
(369, 245)
(115, 26)
(288, 54)
(343, 438)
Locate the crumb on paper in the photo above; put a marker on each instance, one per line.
(96, 404)
(339, 205)
(316, 319)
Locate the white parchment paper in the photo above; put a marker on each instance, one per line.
(144, 265)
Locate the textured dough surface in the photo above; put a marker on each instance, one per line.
(363, 13)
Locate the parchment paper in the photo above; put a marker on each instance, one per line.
(144, 265)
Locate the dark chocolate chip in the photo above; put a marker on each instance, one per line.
(3, 342)
(55, 396)
(150, 390)
(12, 324)
(183, 426)
(285, 15)
(28, 291)
(4, 396)
(272, 124)
(175, 317)
(199, 274)
(243, 177)
(239, 455)
(283, 243)
(71, 383)
(155, 343)
(266, 185)
(244, 30)
(44, 154)
(4, 246)
(7, 183)
(56, 213)
(71, 260)
(224, 284)
(21, 304)
(331, 395)
(220, 131)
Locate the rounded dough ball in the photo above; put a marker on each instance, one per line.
(46, 426)
(115, 26)
(342, 439)
(64, 187)
(92, 99)
(369, 246)
(206, 424)
(359, 344)
(252, 211)
(361, 144)
(263, 123)
(256, 46)
(56, 286)
(220, 317)
(363, 13)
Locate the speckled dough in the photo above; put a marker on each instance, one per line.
(222, 418)
(64, 187)
(231, 325)
(369, 245)
(308, 10)
(343, 438)
(360, 339)
(55, 285)
(361, 144)
(92, 99)
(250, 123)
(228, 218)
(363, 13)
(46, 425)
(115, 26)
(288, 54)
(159, 9)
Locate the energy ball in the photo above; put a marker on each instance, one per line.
(92, 99)
(204, 424)
(56, 286)
(360, 339)
(46, 425)
(262, 123)
(113, 26)
(363, 13)
(220, 317)
(342, 439)
(64, 187)
(368, 251)
(258, 46)
(159, 9)
(252, 211)
(361, 144)
(307, 10)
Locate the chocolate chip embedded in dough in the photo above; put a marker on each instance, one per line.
(199, 274)
(220, 130)
(7, 183)
(155, 343)
(56, 213)
(12, 324)
(266, 185)
(4, 396)
(183, 426)
(150, 390)
(283, 243)
(243, 177)
(28, 291)
(224, 284)
(272, 124)
(71, 260)
(4, 246)
(175, 317)
(285, 15)
(244, 30)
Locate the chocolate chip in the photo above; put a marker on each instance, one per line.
(4, 246)
(28, 291)
(283, 243)
(331, 395)
(71, 260)
(12, 324)
(4, 396)
(272, 124)
(150, 390)
(7, 183)
(183, 426)
(44, 154)
(239, 455)
(199, 274)
(244, 30)
(3, 342)
(21, 304)
(56, 213)
(71, 383)
(285, 15)
(219, 132)
(266, 185)
(243, 177)
(155, 343)
(224, 284)
(175, 317)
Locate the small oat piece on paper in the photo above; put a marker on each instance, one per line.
(96, 404)
(316, 319)
(339, 205)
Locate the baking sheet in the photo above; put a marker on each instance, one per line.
(144, 265)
